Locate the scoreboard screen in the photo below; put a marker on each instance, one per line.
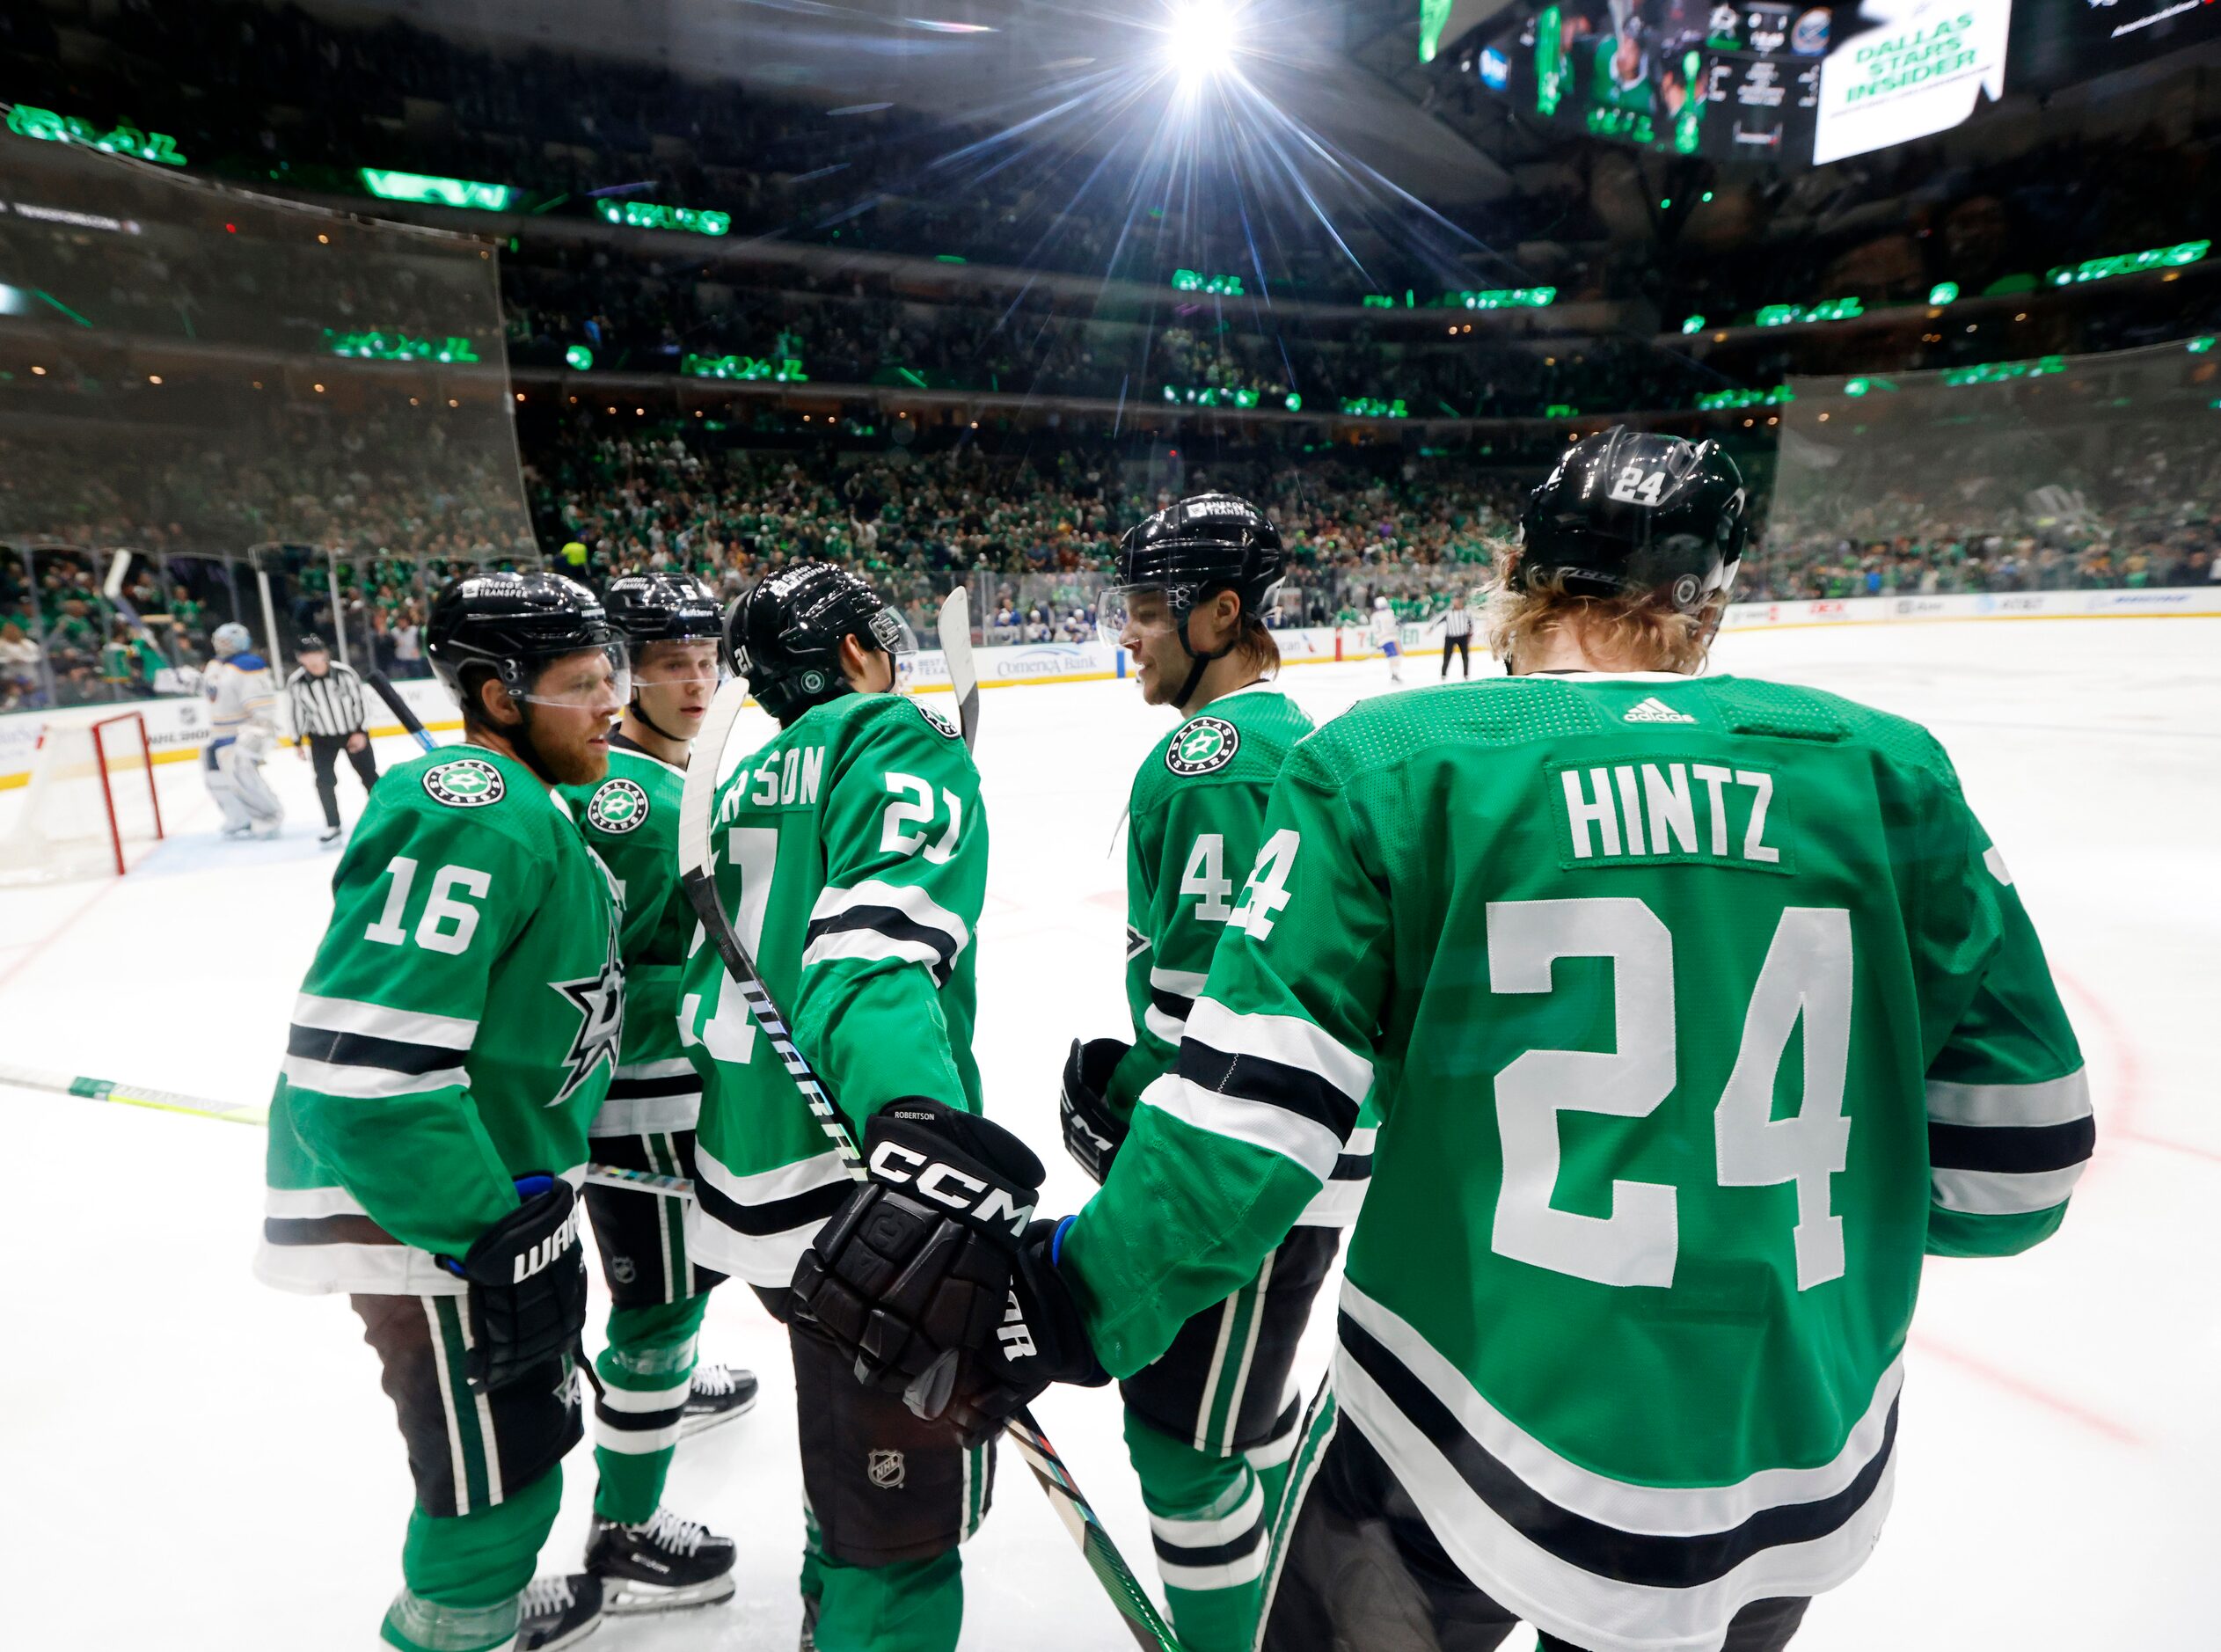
(1694, 78)
(2066, 40)
(1802, 85)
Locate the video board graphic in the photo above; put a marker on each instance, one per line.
(1689, 77)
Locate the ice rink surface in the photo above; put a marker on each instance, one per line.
(195, 1462)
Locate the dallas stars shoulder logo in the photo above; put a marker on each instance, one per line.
(465, 783)
(938, 719)
(1203, 744)
(600, 1001)
(619, 807)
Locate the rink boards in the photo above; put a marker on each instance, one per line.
(178, 728)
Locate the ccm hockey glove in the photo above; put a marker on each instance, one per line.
(914, 1276)
(528, 1285)
(1093, 1133)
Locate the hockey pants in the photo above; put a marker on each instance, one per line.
(886, 1499)
(1209, 1429)
(235, 780)
(657, 1298)
(1353, 1564)
(489, 1473)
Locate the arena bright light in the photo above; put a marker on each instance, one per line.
(1202, 37)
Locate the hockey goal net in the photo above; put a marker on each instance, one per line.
(89, 809)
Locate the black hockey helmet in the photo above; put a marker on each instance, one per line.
(309, 642)
(662, 608)
(784, 634)
(1187, 551)
(1628, 512)
(515, 624)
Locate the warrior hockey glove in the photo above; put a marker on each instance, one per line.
(528, 1285)
(1093, 1132)
(913, 1276)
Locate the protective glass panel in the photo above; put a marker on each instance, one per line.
(2059, 472)
(214, 389)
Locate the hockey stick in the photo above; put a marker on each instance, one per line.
(399, 707)
(237, 1113)
(132, 1095)
(955, 629)
(1142, 1620)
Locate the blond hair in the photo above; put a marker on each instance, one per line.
(1634, 631)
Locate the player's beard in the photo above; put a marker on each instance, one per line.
(564, 742)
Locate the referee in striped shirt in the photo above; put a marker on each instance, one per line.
(326, 704)
(1458, 632)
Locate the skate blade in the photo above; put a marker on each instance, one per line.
(703, 1422)
(622, 1596)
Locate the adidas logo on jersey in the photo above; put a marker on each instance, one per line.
(1655, 710)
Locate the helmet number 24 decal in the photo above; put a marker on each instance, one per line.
(1638, 486)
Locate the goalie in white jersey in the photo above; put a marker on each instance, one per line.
(243, 697)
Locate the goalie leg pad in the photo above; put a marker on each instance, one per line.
(245, 771)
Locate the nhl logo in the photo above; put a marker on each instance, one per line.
(886, 1469)
(1204, 743)
(619, 807)
(465, 783)
(622, 1270)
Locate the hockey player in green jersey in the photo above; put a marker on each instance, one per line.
(455, 1032)
(852, 850)
(1698, 1010)
(651, 1392)
(1212, 1424)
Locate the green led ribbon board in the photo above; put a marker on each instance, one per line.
(749, 369)
(50, 128)
(645, 214)
(396, 346)
(437, 192)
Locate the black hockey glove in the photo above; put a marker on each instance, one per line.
(913, 1277)
(1093, 1133)
(528, 1285)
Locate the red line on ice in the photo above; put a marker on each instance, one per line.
(2028, 1391)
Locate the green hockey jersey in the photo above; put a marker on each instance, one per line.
(631, 819)
(1194, 823)
(456, 1031)
(852, 852)
(1696, 1012)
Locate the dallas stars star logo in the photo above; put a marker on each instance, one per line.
(600, 1002)
(1204, 743)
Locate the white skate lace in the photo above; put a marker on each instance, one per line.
(544, 1596)
(715, 1380)
(668, 1531)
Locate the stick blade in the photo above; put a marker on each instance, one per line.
(702, 772)
(955, 627)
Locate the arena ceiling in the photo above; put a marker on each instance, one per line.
(1332, 63)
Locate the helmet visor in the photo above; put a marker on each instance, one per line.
(1142, 612)
(679, 662)
(893, 632)
(582, 680)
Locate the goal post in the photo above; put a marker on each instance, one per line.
(91, 806)
(120, 744)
